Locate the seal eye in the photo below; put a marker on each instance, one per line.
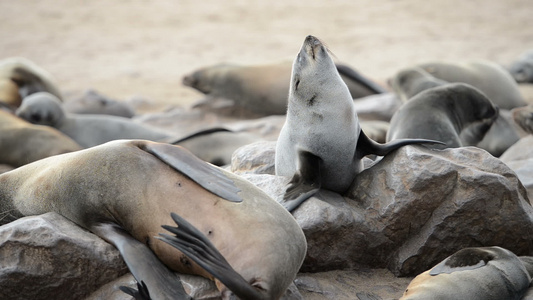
(35, 117)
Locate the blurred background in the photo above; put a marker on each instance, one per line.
(143, 48)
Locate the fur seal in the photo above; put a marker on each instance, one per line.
(123, 191)
(22, 142)
(321, 143)
(523, 116)
(28, 77)
(87, 130)
(490, 78)
(502, 134)
(94, 103)
(472, 273)
(456, 114)
(262, 89)
(522, 68)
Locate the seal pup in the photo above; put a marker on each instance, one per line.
(263, 89)
(490, 78)
(123, 191)
(321, 143)
(94, 103)
(29, 78)
(523, 116)
(522, 68)
(456, 114)
(87, 130)
(485, 273)
(22, 142)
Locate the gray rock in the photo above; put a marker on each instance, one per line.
(519, 157)
(49, 257)
(255, 158)
(411, 210)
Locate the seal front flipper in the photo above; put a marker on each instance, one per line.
(208, 176)
(305, 183)
(355, 76)
(140, 294)
(142, 262)
(366, 146)
(199, 248)
(175, 141)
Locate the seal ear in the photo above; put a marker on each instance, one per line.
(206, 175)
(305, 183)
(140, 294)
(199, 248)
(465, 259)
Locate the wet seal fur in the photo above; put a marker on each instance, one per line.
(487, 273)
(123, 191)
(321, 143)
(456, 114)
(28, 78)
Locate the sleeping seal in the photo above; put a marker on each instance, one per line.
(123, 191)
(522, 68)
(321, 143)
(488, 273)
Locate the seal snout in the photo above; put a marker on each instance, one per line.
(312, 45)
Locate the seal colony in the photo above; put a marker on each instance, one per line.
(321, 143)
(123, 191)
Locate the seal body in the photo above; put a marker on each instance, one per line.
(475, 274)
(522, 68)
(411, 81)
(87, 130)
(263, 89)
(22, 142)
(490, 78)
(456, 114)
(28, 77)
(94, 103)
(131, 187)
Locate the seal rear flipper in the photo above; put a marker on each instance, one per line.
(305, 183)
(142, 262)
(140, 294)
(355, 76)
(199, 248)
(206, 175)
(366, 146)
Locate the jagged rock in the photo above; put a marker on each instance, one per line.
(519, 157)
(49, 257)
(411, 210)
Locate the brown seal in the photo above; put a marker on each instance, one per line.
(22, 142)
(123, 191)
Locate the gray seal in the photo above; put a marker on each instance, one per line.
(522, 68)
(321, 144)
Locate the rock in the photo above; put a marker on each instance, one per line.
(411, 210)
(49, 257)
(519, 157)
(255, 158)
(5, 168)
(377, 107)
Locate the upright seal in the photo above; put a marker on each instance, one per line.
(321, 143)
